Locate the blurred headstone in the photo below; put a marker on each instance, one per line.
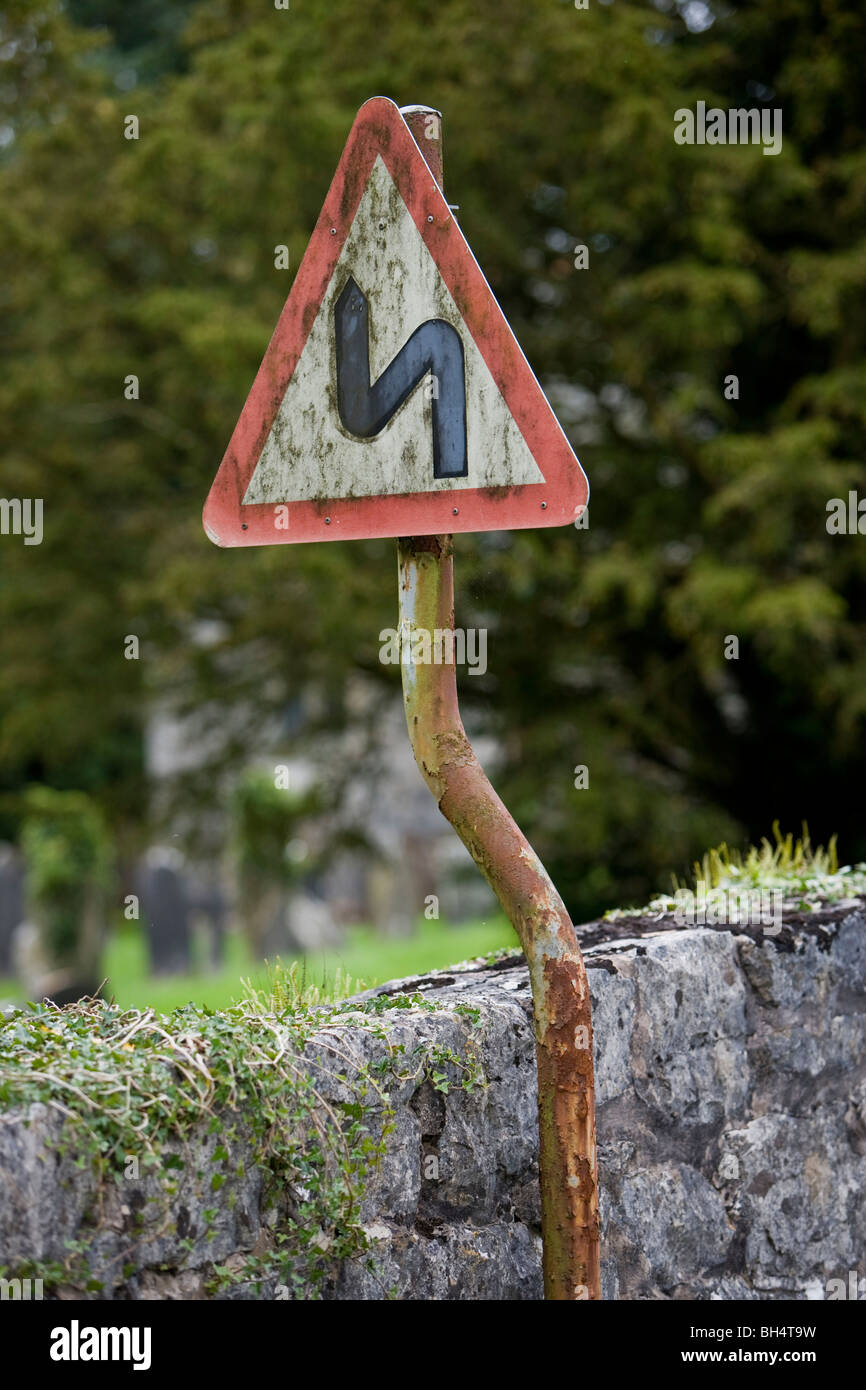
(64, 980)
(11, 903)
(165, 912)
(208, 906)
(344, 886)
(312, 923)
(463, 894)
(262, 910)
(392, 895)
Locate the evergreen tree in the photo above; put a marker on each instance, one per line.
(154, 257)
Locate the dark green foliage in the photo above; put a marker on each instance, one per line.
(265, 817)
(66, 849)
(145, 38)
(155, 257)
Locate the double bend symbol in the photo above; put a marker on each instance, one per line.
(366, 408)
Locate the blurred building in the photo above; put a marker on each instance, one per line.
(397, 858)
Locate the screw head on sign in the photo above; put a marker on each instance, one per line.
(327, 521)
(454, 511)
(544, 506)
(333, 231)
(430, 217)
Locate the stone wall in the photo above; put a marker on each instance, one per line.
(731, 1121)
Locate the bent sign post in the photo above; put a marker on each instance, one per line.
(394, 400)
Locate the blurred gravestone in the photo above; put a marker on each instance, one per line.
(311, 922)
(392, 896)
(208, 908)
(11, 903)
(463, 894)
(344, 886)
(165, 912)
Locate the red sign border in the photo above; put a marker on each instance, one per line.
(379, 129)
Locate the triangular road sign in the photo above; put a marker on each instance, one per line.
(393, 399)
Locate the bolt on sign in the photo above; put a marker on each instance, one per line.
(393, 398)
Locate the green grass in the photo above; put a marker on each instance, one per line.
(808, 877)
(365, 956)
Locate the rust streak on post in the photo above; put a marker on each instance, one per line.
(560, 993)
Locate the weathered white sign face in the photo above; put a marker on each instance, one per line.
(393, 398)
(310, 454)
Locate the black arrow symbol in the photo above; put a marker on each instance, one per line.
(365, 408)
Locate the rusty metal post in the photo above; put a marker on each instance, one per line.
(560, 993)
